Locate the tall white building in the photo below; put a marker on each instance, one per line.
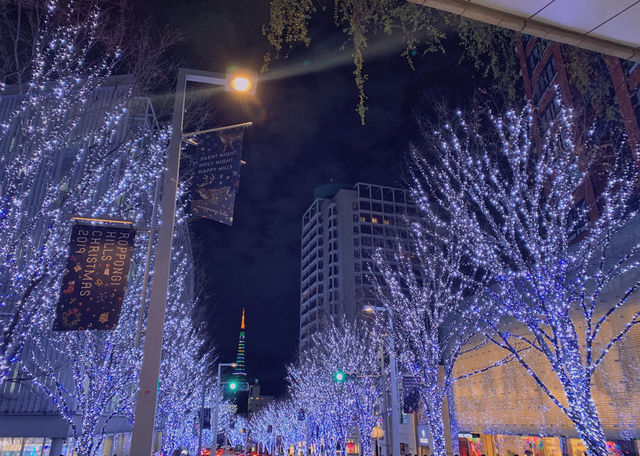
(341, 231)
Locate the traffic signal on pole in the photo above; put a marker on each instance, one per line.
(340, 376)
(233, 386)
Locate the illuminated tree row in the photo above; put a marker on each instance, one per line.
(325, 412)
(562, 266)
(73, 144)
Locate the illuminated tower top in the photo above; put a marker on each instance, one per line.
(240, 370)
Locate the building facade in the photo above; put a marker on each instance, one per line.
(543, 66)
(341, 231)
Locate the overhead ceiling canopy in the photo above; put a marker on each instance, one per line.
(607, 26)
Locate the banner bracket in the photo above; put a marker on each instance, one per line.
(213, 130)
(103, 220)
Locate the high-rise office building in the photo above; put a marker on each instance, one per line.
(341, 231)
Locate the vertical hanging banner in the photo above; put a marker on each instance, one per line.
(217, 174)
(411, 395)
(95, 278)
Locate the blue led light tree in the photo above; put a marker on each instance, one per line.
(514, 207)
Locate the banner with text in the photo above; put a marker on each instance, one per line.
(217, 175)
(95, 278)
(411, 395)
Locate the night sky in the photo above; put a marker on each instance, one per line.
(306, 133)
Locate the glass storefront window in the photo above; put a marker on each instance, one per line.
(10, 446)
(28, 446)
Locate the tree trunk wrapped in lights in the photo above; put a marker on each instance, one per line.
(511, 207)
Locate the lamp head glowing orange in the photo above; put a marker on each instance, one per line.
(241, 81)
(241, 84)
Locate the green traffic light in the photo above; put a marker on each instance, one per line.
(233, 386)
(338, 376)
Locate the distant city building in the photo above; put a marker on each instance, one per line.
(341, 230)
(257, 401)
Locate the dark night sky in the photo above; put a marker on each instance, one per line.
(306, 133)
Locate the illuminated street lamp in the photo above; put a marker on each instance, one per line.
(241, 81)
(395, 404)
(143, 426)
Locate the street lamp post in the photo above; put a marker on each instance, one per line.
(395, 405)
(216, 408)
(143, 426)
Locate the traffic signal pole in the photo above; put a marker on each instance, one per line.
(216, 408)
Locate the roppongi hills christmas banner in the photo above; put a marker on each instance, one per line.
(95, 278)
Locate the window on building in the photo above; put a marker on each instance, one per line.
(376, 207)
(376, 193)
(578, 219)
(549, 115)
(534, 58)
(357, 280)
(544, 80)
(356, 230)
(365, 229)
(628, 66)
(399, 196)
(365, 205)
(364, 191)
(375, 219)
